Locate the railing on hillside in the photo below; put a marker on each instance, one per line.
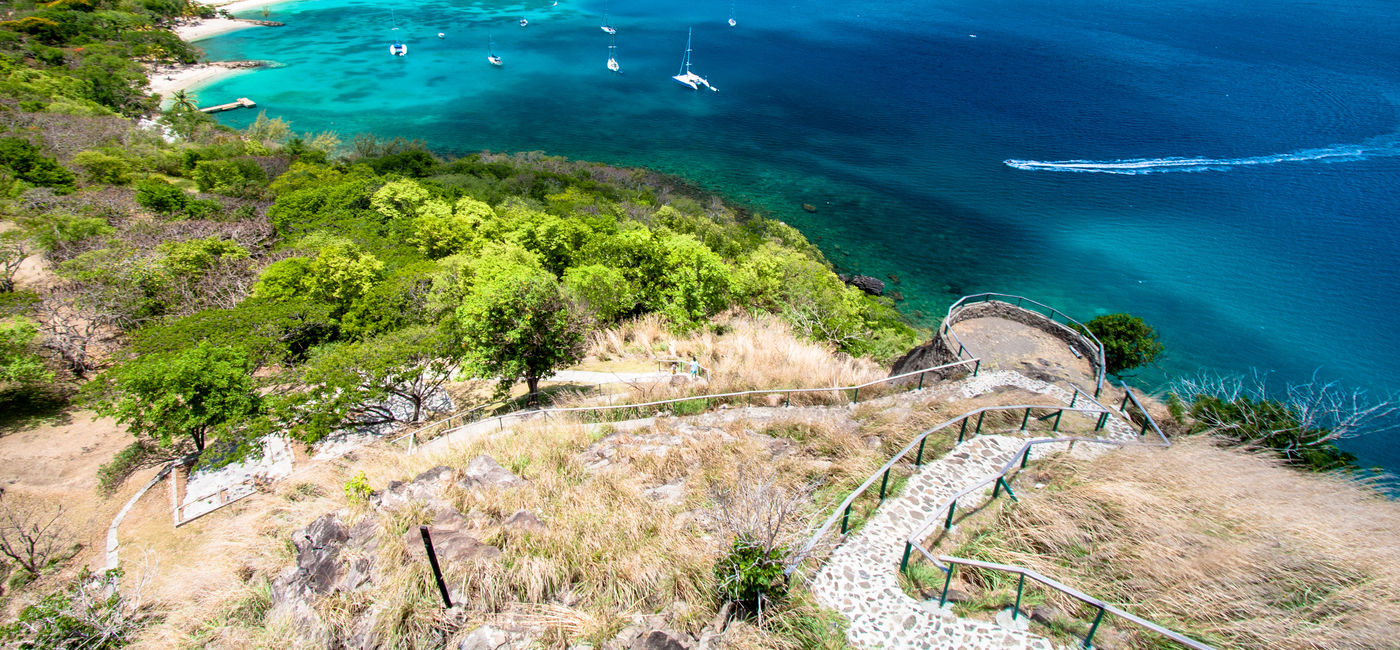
(843, 511)
(1147, 420)
(414, 439)
(1102, 606)
(1051, 313)
(999, 482)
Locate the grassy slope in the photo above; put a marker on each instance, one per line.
(1221, 544)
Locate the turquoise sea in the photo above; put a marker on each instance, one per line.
(1227, 169)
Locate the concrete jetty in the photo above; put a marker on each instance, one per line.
(241, 102)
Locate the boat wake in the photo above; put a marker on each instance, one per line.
(1378, 147)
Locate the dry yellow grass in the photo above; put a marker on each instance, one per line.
(1226, 546)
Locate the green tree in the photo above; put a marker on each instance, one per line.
(15, 247)
(389, 378)
(103, 167)
(20, 363)
(698, 282)
(184, 99)
(31, 165)
(162, 197)
(1128, 342)
(180, 399)
(516, 322)
(603, 289)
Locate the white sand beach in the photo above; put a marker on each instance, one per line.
(167, 80)
(198, 29)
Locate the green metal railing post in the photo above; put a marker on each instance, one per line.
(919, 457)
(1057, 420)
(1098, 388)
(855, 396)
(1103, 420)
(943, 600)
(1089, 638)
(1124, 406)
(1073, 398)
(787, 400)
(996, 488)
(948, 524)
(1026, 419)
(883, 482)
(1025, 458)
(1016, 609)
(979, 422)
(962, 431)
(1002, 482)
(976, 366)
(904, 564)
(921, 380)
(845, 517)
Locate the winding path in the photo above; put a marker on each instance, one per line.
(860, 578)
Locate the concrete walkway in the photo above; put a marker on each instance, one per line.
(860, 578)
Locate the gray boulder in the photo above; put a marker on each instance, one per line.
(449, 545)
(872, 286)
(484, 470)
(661, 640)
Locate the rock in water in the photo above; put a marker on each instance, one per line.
(872, 286)
(809, 207)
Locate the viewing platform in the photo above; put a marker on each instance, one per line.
(241, 102)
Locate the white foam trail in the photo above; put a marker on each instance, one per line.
(1382, 146)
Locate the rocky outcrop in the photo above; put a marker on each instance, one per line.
(337, 552)
(872, 286)
(931, 354)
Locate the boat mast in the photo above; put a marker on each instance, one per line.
(685, 64)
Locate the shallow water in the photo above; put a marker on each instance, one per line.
(945, 158)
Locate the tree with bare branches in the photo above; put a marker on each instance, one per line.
(15, 247)
(1302, 422)
(32, 533)
(767, 520)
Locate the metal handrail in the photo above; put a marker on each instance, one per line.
(1128, 395)
(843, 510)
(1073, 593)
(1100, 362)
(855, 397)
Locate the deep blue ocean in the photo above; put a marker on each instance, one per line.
(1227, 169)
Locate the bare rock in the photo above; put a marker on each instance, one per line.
(872, 286)
(670, 493)
(449, 545)
(318, 551)
(524, 520)
(661, 640)
(1044, 614)
(484, 470)
(485, 638)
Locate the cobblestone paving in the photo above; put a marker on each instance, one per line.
(860, 577)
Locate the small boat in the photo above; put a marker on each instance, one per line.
(398, 49)
(686, 77)
(605, 26)
(523, 22)
(491, 56)
(442, 35)
(732, 22)
(612, 57)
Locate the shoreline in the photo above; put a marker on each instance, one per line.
(166, 82)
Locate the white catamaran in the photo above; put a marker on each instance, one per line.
(612, 56)
(686, 77)
(398, 48)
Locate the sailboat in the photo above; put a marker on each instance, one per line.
(732, 22)
(605, 26)
(686, 77)
(612, 57)
(523, 22)
(491, 56)
(398, 48)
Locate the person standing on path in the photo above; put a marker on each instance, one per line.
(694, 367)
